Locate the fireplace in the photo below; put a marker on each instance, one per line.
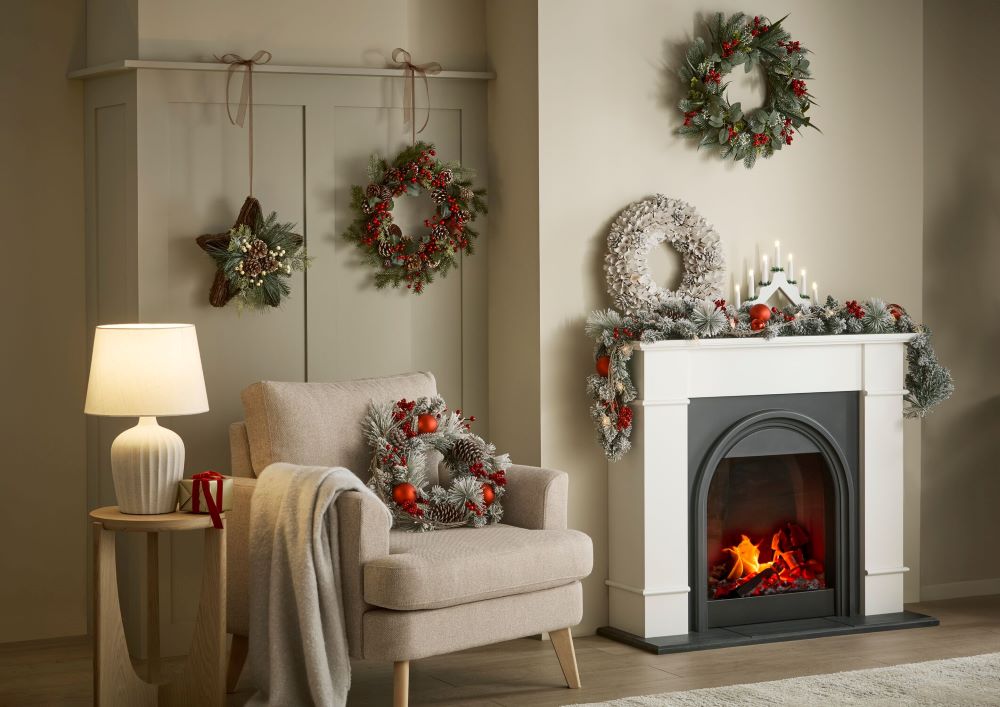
(774, 512)
(763, 497)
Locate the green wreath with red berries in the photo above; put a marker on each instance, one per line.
(401, 436)
(708, 114)
(414, 259)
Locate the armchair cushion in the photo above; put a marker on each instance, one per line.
(318, 424)
(462, 565)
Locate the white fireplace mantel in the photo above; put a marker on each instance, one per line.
(648, 502)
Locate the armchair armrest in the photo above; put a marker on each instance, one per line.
(536, 498)
(363, 535)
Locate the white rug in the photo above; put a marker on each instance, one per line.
(956, 681)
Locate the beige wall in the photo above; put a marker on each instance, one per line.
(320, 32)
(961, 252)
(43, 528)
(847, 203)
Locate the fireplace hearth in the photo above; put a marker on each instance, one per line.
(784, 488)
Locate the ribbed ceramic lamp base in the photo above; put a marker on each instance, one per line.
(147, 461)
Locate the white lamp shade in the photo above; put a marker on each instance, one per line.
(142, 370)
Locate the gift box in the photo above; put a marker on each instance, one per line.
(208, 492)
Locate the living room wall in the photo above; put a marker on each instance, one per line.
(847, 202)
(961, 250)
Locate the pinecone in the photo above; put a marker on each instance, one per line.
(466, 194)
(395, 231)
(384, 193)
(385, 249)
(374, 191)
(367, 208)
(446, 513)
(257, 248)
(269, 264)
(439, 231)
(252, 267)
(439, 196)
(446, 176)
(468, 450)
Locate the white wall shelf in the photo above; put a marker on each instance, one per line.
(118, 67)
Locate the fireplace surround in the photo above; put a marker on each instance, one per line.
(778, 467)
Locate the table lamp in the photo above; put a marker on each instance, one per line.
(146, 371)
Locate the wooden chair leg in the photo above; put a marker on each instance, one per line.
(562, 642)
(401, 683)
(237, 657)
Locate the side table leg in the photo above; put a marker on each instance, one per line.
(152, 607)
(115, 681)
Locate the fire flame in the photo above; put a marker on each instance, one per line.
(746, 559)
(790, 569)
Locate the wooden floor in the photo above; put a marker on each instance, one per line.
(525, 672)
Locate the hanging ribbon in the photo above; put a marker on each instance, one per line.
(236, 62)
(410, 71)
(203, 486)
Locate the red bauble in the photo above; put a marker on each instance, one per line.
(488, 495)
(760, 311)
(603, 365)
(427, 424)
(404, 493)
(757, 324)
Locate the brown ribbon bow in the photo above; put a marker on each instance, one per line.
(235, 61)
(410, 70)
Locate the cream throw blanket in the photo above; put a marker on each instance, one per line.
(298, 643)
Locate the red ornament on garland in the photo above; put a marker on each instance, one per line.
(404, 494)
(488, 495)
(760, 311)
(757, 324)
(426, 424)
(896, 311)
(603, 366)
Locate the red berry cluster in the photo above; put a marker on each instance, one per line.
(758, 27)
(624, 418)
(689, 116)
(474, 508)
(761, 139)
(499, 477)
(624, 332)
(799, 87)
(392, 455)
(786, 132)
(729, 48)
(854, 309)
(720, 304)
(713, 76)
(791, 47)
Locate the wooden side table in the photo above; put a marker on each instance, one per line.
(115, 681)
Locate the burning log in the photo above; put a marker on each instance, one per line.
(748, 587)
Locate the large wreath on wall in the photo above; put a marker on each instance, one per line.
(402, 258)
(752, 43)
(645, 224)
(400, 436)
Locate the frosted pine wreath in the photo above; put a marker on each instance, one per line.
(752, 43)
(401, 434)
(403, 258)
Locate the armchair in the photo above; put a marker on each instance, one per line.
(410, 595)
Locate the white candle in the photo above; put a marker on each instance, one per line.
(815, 293)
(736, 293)
(765, 276)
(803, 283)
(750, 283)
(777, 254)
(791, 267)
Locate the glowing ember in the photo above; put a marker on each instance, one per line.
(789, 570)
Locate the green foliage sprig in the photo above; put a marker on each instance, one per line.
(407, 259)
(928, 382)
(258, 262)
(708, 114)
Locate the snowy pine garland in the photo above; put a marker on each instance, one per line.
(708, 114)
(400, 436)
(927, 381)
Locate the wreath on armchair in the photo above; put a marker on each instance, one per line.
(753, 43)
(400, 436)
(403, 258)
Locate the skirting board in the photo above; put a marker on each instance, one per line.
(772, 632)
(957, 590)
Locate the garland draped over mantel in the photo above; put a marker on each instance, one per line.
(928, 383)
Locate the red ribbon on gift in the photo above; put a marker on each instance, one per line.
(203, 484)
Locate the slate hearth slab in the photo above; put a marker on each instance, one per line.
(770, 632)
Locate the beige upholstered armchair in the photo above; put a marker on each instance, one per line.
(410, 595)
